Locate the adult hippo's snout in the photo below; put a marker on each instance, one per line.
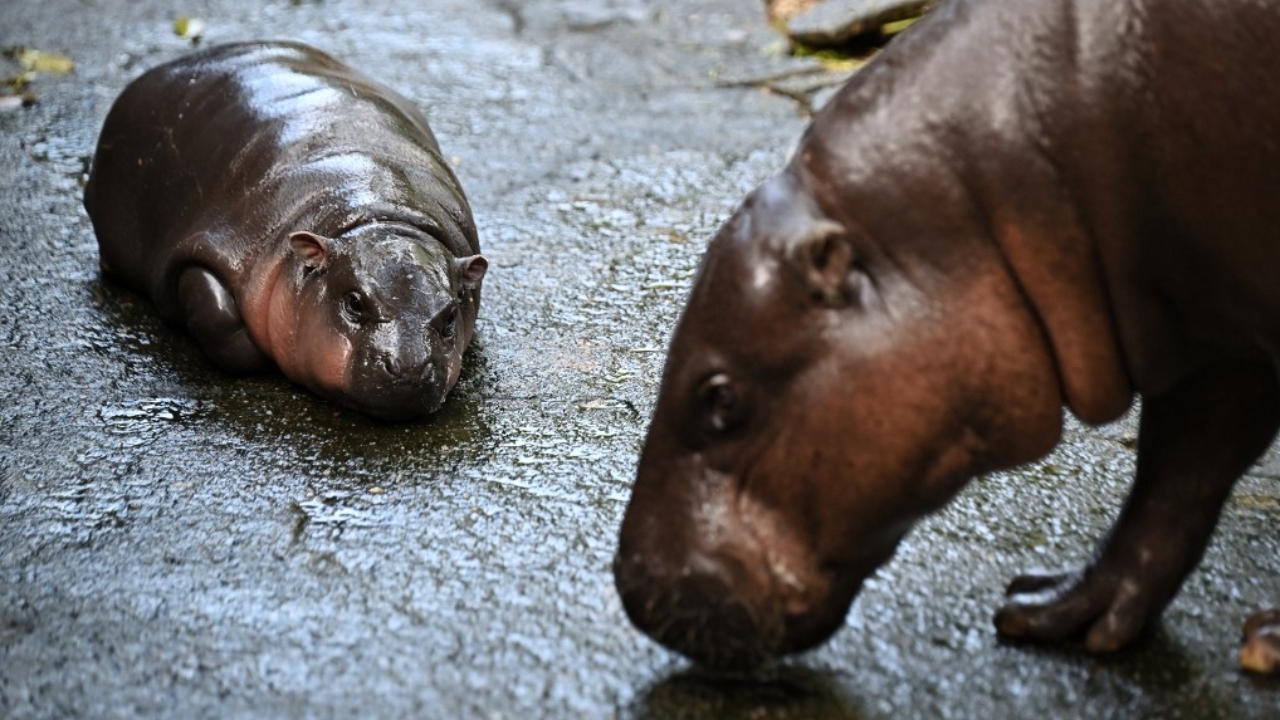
(699, 587)
(694, 610)
(709, 571)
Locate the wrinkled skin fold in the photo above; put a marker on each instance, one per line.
(1016, 208)
(290, 212)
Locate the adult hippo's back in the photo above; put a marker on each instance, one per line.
(288, 210)
(1017, 206)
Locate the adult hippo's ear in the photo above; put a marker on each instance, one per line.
(826, 260)
(471, 270)
(311, 249)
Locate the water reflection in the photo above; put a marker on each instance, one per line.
(777, 693)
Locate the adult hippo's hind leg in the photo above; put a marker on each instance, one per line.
(1193, 443)
(212, 316)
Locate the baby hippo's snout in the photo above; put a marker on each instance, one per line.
(412, 363)
(407, 373)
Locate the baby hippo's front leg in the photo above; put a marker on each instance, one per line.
(212, 316)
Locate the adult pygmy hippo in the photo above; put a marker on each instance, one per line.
(1017, 206)
(288, 210)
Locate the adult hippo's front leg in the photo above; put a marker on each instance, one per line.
(1193, 442)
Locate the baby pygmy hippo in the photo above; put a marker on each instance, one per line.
(289, 211)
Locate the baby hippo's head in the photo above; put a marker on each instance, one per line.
(382, 318)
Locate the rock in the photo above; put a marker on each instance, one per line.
(836, 22)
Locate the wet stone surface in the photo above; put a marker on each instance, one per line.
(177, 543)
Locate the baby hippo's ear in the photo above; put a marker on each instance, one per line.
(471, 271)
(311, 249)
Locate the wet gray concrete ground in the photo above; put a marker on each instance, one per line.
(177, 543)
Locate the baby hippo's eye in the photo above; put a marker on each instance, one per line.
(450, 327)
(354, 307)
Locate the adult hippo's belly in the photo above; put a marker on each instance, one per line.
(1016, 207)
(289, 211)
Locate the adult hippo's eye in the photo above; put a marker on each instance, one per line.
(721, 403)
(354, 307)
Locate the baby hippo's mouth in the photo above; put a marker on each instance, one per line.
(394, 391)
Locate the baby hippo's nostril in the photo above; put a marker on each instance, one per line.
(389, 365)
(408, 365)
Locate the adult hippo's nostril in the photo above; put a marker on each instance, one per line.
(697, 612)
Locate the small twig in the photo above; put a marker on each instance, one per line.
(802, 98)
(764, 80)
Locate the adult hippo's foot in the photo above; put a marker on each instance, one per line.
(1193, 442)
(1107, 608)
(1260, 652)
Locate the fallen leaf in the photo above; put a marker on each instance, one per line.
(893, 28)
(41, 61)
(188, 27)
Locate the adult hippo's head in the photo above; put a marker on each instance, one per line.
(826, 387)
(376, 319)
